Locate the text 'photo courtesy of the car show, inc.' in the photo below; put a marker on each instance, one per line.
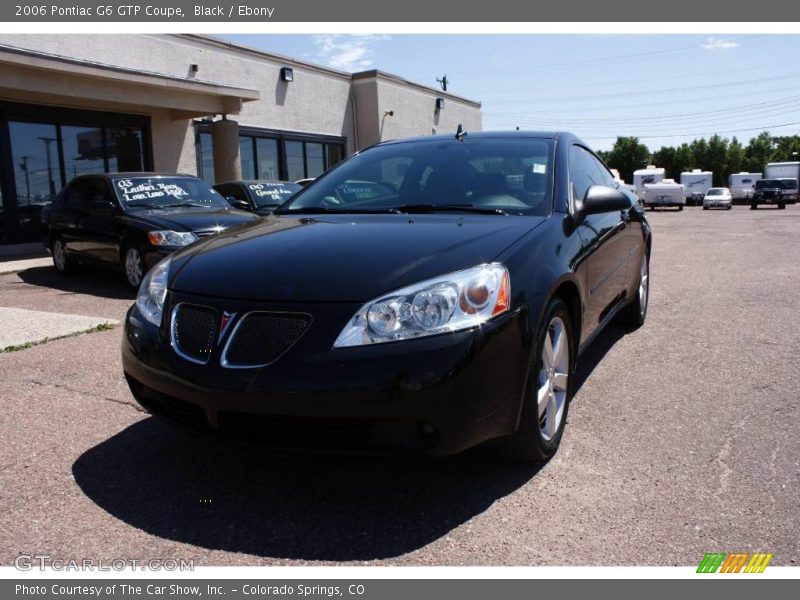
(363, 301)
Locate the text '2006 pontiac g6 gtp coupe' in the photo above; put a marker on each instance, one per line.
(423, 296)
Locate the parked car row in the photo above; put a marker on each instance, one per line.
(133, 220)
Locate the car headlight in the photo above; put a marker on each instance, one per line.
(171, 238)
(453, 302)
(153, 292)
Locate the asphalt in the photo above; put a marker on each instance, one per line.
(683, 438)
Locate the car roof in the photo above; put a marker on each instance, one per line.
(134, 174)
(254, 181)
(513, 134)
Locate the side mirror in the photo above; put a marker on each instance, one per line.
(602, 199)
(240, 204)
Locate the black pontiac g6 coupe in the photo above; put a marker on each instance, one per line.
(423, 296)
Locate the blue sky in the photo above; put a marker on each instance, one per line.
(666, 89)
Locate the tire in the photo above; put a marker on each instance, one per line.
(635, 313)
(781, 207)
(537, 438)
(753, 206)
(133, 265)
(680, 208)
(705, 208)
(63, 265)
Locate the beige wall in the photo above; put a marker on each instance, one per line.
(317, 101)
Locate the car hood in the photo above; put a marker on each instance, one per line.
(340, 258)
(192, 219)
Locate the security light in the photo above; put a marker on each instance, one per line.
(287, 74)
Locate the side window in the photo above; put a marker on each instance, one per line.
(78, 196)
(583, 173)
(605, 174)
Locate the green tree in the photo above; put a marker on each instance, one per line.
(665, 157)
(717, 159)
(787, 148)
(736, 160)
(758, 152)
(627, 155)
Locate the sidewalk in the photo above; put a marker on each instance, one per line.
(18, 257)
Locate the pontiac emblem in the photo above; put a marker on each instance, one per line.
(225, 322)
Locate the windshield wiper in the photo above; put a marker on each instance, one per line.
(311, 210)
(189, 204)
(144, 205)
(431, 208)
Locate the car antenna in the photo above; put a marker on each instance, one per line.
(460, 133)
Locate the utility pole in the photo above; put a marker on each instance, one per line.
(24, 167)
(443, 82)
(47, 141)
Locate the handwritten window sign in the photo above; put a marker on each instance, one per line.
(272, 192)
(166, 191)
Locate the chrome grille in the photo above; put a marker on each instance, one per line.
(260, 338)
(192, 331)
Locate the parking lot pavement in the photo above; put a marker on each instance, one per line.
(683, 438)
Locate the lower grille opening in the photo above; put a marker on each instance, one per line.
(178, 411)
(325, 434)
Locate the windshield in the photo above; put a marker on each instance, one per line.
(491, 176)
(715, 192)
(272, 193)
(767, 183)
(166, 192)
(789, 184)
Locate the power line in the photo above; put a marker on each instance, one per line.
(652, 137)
(473, 73)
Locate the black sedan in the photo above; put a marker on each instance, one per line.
(442, 306)
(132, 220)
(259, 196)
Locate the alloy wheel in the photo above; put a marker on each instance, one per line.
(133, 267)
(59, 256)
(553, 378)
(644, 282)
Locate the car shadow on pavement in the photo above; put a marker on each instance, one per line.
(599, 347)
(94, 282)
(188, 489)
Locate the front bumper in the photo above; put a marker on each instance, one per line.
(433, 396)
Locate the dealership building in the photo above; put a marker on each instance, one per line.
(73, 104)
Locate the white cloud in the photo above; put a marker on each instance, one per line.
(346, 52)
(718, 44)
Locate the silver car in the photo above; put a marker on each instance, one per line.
(718, 197)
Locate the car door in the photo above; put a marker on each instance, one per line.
(69, 224)
(604, 241)
(100, 222)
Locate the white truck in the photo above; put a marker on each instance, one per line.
(663, 194)
(742, 185)
(697, 183)
(789, 175)
(643, 177)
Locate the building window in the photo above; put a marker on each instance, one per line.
(269, 154)
(295, 165)
(48, 146)
(205, 153)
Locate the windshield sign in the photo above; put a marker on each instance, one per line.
(166, 192)
(270, 193)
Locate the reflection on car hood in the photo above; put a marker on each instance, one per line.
(192, 219)
(340, 258)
